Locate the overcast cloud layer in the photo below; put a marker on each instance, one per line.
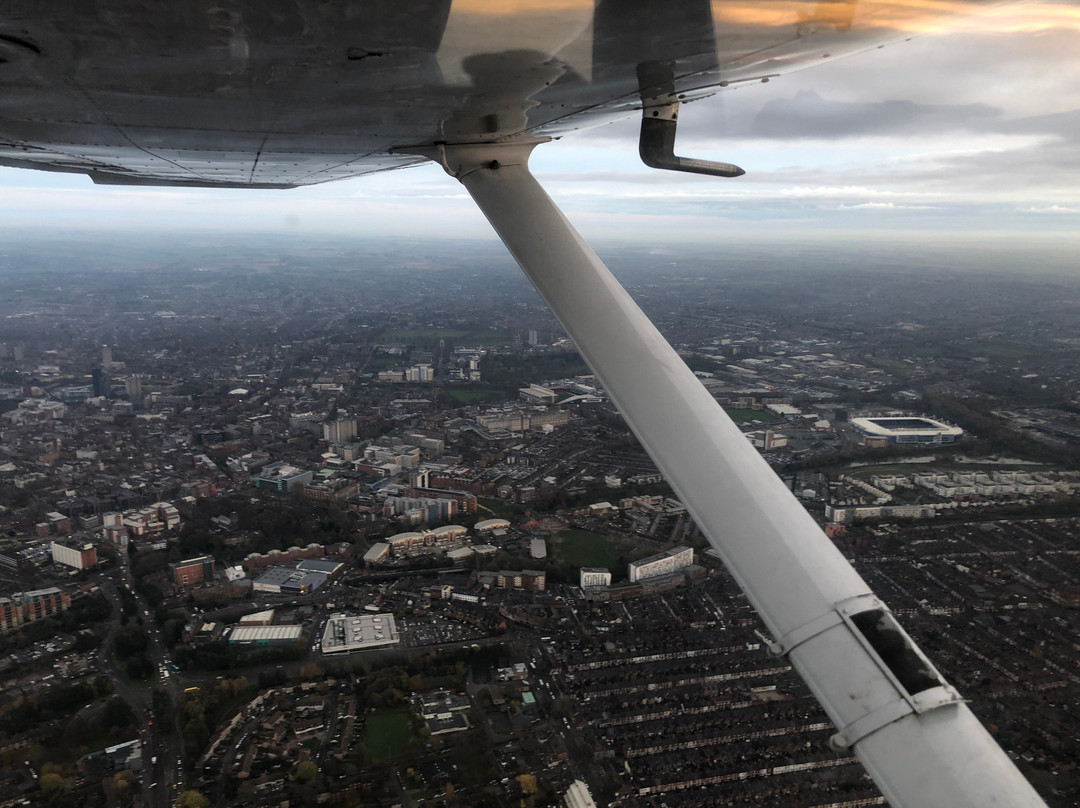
(974, 131)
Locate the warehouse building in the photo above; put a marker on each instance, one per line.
(288, 581)
(264, 635)
(345, 633)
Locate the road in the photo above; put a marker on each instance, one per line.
(163, 770)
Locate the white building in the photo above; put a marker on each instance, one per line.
(594, 576)
(80, 555)
(420, 373)
(346, 632)
(265, 635)
(460, 554)
(578, 796)
(377, 553)
(767, 439)
(535, 394)
(340, 431)
(907, 429)
(663, 563)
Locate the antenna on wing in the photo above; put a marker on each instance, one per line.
(659, 122)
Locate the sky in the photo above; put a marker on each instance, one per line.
(971, 134)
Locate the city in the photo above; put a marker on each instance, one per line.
(340, 522)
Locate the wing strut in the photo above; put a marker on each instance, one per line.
(911, 730)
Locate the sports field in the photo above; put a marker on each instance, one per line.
(387, 732)
(745, 416)
(583, 548)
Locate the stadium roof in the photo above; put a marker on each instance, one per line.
(894, 426)
(319, 565)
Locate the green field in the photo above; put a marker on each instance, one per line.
(497, 507)
(746, 416)
(387, 733)
(381, 361)
(582, 548)
(475, 396)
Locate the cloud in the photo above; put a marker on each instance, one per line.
(1051, 209)
(958, 131)
(886, 206)
(809, 116)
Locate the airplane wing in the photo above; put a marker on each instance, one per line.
(281, 93)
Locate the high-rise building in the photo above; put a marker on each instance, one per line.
(663, 563)
(11, 614)
(100, 382)
(74, 553)
(420, 373)
(340, 431)
(41, 603)
(106, 355)
(193, 571)
(133, 387)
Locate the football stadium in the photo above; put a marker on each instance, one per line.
(906, 429)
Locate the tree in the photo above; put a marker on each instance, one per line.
(311, 670)
(192, 799)
(51, 783)
(117, 713)
(129, 641)
(306, 771)
(527, 783)
(122, 780)
(139, 666)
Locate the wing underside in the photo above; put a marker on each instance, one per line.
(282, 93)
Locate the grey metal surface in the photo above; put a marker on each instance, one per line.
(278, 93)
